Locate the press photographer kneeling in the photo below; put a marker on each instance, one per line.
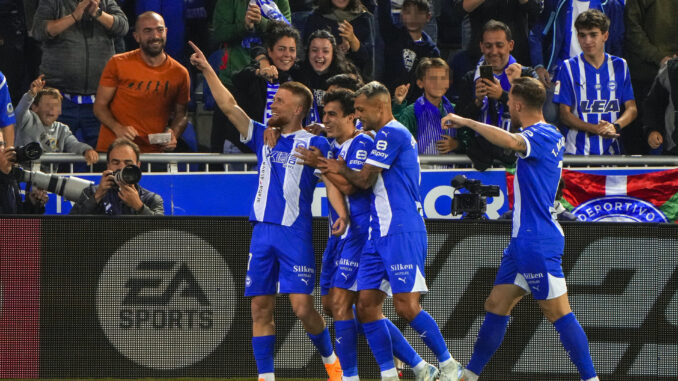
(10, 198)
(118, 192)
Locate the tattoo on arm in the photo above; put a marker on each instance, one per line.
(363, 179)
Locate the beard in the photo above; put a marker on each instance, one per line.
(278, 121)
(151, 50)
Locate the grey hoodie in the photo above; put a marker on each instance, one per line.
(73, 61)
(54, 138)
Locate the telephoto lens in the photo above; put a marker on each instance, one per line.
(129, 175)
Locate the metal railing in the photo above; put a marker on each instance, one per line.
(213, 162)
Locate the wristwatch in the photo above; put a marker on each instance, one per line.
(99, 13)
(617, 127)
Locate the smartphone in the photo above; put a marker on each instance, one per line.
(487, 72)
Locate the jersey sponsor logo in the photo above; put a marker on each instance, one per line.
(619, 208)
(381, 145)
(400, 266)
(167, 299)
(379, 154)
(361, 154)
(599, 106)
(556, 89)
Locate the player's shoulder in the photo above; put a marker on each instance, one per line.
(544, 131)
(394, 130)
(362, 139)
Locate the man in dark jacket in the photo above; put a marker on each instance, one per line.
(10, 198)
(77, 40)
(113, 198)
(661, 105)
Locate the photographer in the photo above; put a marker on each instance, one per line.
(10, 198)
(114, 198)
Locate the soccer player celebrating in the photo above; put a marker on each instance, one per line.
(342, 257)
(281, 253)
(532, 261)
(393, 258)
(594, 91)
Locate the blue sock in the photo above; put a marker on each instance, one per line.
(576, 344)
(428, 330)
(379, 340)
(323, 342)
(346, 346)
(490, 336)
(264, 347)
(401, 347)
(358, 323)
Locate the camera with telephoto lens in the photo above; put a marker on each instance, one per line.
(69, 188)
(471, 205)
(130, 175)
(28, 152)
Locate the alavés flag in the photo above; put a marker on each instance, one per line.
(645, 197)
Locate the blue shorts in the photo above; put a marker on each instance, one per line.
(394, 264)
(340, 263)
(281, 261)
(535, 266)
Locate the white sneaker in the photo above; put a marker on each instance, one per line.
(428, 374)
(451, 371)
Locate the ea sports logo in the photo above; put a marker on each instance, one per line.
(163, 299)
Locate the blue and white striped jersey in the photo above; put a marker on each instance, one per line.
(396, 200)
(354, 152)
(7, 113)
(594, 95)
(285, 190)
(536, 182)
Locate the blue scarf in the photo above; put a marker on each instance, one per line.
(271, 89)
(269, 9)
(491, 108)
(429, 129)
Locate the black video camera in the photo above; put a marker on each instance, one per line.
(471, 205)
(28, 152)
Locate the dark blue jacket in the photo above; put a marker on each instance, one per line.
(552, 30)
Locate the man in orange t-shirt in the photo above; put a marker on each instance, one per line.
(143, 92)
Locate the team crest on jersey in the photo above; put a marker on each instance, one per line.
(10, 108)
(408, 58)
(619, 209)
(612, 85)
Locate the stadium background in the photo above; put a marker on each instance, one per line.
(163, 298)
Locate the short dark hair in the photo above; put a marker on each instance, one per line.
(422, 5)
(301, 91)
(344, 97)
(493, 26)
(530, 91)
(429, 63)
(277, 30)
(345, 81)
(591, 19)
(47, 92)
(123, 142)
(372, 89)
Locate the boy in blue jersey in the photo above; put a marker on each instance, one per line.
(342, 257)
(7, 118)
(281, 256)
(594, 91)
(394, 256)
(532, 261)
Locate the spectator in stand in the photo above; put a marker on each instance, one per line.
(323, 61)
(594, 92)
(237, 25)
(37, 114)
(77, 40)
(553, 37)
(14, 37)
(254, 86)
(143, 92)
(351, 26)
(423, 117)
(486, 100)
(406, 45)
(661, 110)
(515, 13)
(7, 118)
(651, 32)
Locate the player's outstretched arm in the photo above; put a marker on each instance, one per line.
(222, 96)
(363, 179)
(494, 135)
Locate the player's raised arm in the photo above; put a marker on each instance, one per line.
(222, 96)
(494, 135)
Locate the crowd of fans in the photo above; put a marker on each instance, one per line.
(97, 70)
